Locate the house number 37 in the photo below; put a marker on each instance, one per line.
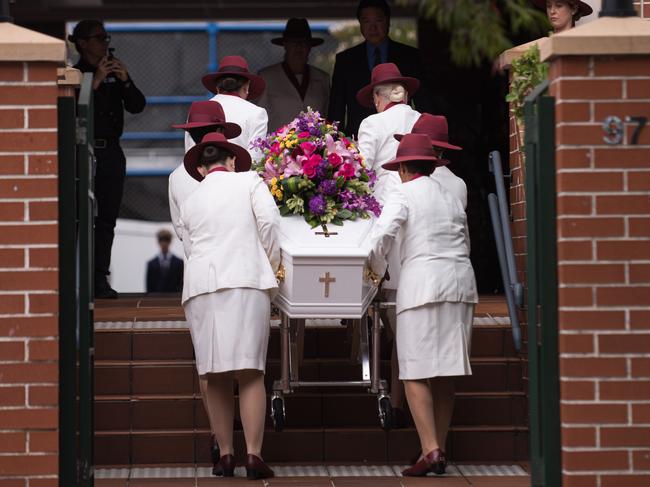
(613, 129)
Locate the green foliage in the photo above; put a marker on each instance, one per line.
(527, 72)
(479, 29)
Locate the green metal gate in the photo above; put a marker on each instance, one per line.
(76, 207)
(545, 453)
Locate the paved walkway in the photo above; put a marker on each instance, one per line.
(513, 475)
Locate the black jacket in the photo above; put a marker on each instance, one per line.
(171, 282)
(351, 73)
(110, 100)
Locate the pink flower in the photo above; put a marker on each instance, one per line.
(270, 171)
(346, 170)
(309, 167)
(308, 148)
(294, 167)
(334, 159)
(304, 135)
(275, 148)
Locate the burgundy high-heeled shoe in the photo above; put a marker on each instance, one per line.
(256, 468)
(434, 461)
(225, 467)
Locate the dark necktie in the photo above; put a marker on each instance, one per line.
(377, 59)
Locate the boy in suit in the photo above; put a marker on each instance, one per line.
(164, 271)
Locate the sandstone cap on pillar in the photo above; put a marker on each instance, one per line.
(20, 44)
(605, 36)
(507, 57)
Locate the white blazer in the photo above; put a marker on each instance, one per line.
(378, 146)
(281, 99)
(230, 233)
(451, 183)
(252, 119)
(181, 185)
(434, 245)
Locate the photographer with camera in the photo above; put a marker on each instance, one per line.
(114, 92)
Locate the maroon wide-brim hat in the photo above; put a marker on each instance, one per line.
(235, 66)
(299, 30)
(584, 9)
(383, 74)
(209, 114)
(434, 126)
(192, 157)
(414, 147)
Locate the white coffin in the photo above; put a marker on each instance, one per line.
(324, 275)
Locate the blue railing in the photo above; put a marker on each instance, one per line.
(212, 29)
(513, 289)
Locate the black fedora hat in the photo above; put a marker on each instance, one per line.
(297, 29)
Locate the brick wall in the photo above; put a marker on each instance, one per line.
(603, 204)
(643, 7)
(28, 275)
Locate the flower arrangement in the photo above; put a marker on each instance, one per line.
(313, 170)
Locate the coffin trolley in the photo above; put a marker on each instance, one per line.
(324, 275)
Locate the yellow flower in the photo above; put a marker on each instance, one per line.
(281, 176)
(274, 181)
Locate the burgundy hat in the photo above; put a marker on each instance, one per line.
(382, 74)
(209, 114)
(191, 159)
(435, 126)
(414, 147)
(297, 29)
(235, 66)
(584, 9)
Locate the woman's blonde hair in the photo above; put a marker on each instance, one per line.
(393, 92)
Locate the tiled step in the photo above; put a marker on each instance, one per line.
(179, 377)
(310, 445)
(304, 410)
(329, 342)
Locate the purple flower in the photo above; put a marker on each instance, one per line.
(371, 204)
(317, 205)
(327, 187)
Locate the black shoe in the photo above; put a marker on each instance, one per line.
(103, 290)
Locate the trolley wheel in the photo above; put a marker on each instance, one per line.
(385, 413)
(278, 413)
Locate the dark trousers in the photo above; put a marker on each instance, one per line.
(110, 172)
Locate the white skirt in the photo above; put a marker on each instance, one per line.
(230, 329)
(434, 340)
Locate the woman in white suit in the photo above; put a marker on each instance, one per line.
(229, 226)
(234, 86)
(436, 294)
(389, 93)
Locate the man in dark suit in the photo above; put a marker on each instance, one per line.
(165, 271)
(353, 66)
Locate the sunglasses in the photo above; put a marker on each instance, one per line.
(101, 37)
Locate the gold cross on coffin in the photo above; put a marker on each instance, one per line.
(326, 280)
(326, 232)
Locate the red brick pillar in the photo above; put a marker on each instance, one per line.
(28, 257)
(603, 222)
